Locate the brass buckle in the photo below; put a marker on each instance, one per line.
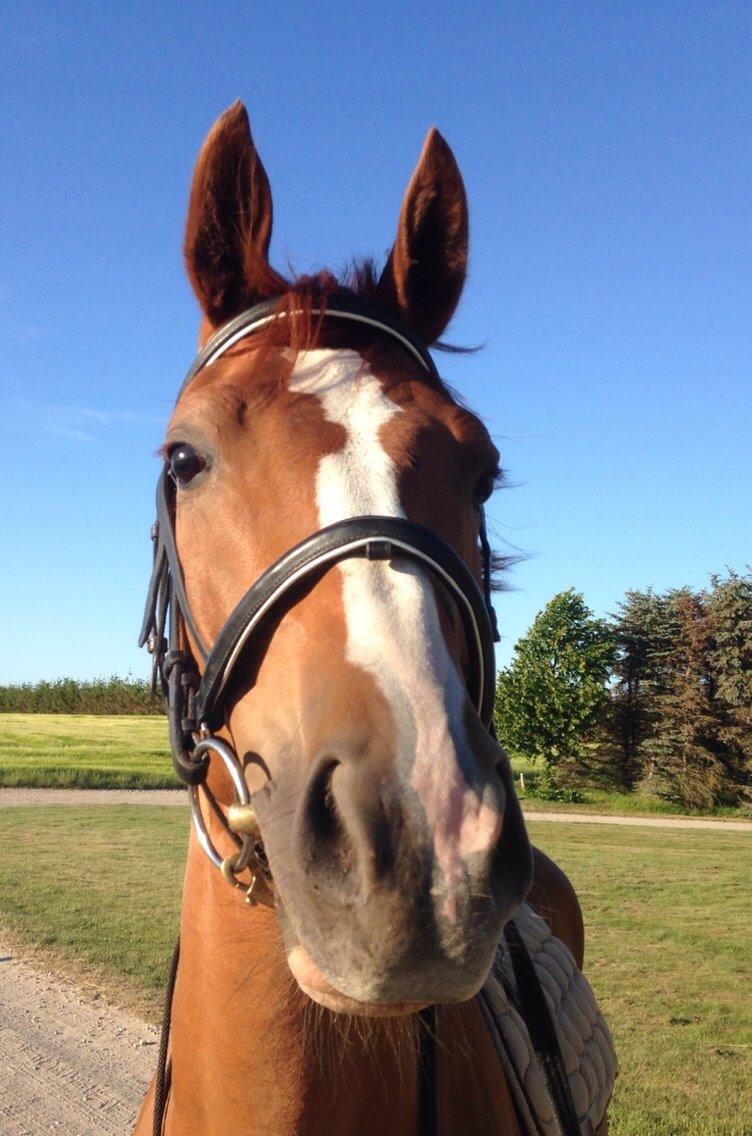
(241, 819)
(258, 891)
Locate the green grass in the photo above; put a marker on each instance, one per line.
(627, 804)
(669, 954)
(100, 888)
(85, 751)
(668, 943)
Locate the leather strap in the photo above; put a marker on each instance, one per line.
(532, 1006)
(427, 1071)
(192, 700)
(350, 308)
(372, 537)
(163, 1076)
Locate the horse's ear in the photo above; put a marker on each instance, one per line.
(229, 223)
(424, 275)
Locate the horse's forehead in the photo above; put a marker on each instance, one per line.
(346, 388)
(381, 398)
(364, 392)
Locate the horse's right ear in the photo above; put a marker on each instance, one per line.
(229, 223)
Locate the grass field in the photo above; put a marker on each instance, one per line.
(668, 947)
(130, 752)
(86, 751)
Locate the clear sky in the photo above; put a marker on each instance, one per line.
(606, 153)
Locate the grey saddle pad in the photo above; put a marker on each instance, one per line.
(584, 1037)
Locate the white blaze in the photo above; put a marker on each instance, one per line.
(393, 629)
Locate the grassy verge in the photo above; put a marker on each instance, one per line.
(626, 804)
(85, 751)
(668, 947)
(597, 800)
(100, 889)
(670, 957)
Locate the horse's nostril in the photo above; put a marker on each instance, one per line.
(321, 810)
(326, 843)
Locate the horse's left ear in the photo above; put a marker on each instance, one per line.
(426, 269)
(229, 222)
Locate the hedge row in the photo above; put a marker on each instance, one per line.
(69, 696)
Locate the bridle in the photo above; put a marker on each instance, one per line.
(197, 699)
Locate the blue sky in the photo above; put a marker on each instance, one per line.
(606, 153)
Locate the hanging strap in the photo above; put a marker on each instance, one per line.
(163, 1077)
(531, 1004)
(427, 1103)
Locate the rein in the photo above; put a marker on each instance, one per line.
(197, 699)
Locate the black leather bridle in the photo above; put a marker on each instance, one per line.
(197, 693)
(197, 703)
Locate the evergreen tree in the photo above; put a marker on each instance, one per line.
(690, 766)
(730, 605)
(644, 632)
(680, 720)
(550, 699)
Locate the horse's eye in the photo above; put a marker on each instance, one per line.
(184, 463)
(484, 487)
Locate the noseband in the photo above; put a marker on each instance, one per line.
(197, 698)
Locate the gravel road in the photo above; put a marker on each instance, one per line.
(179, 797)
(644, 822)
(68, 1065)
(93, 797)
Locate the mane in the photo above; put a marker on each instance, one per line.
(304, 299)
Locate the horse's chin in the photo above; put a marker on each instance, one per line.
(313, 983)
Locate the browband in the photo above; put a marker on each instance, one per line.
(343, 307)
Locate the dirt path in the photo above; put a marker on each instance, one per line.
(178, 797)
(93, 797)
(642, 821)
(67, 1065)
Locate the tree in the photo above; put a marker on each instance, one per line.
(551, 698)
(644, 631)
(680, 723)
(730, 606)
(691, 768)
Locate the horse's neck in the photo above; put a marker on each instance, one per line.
(251, 1055)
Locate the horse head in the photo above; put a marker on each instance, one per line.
(386, 809)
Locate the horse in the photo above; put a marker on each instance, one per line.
(334, 738)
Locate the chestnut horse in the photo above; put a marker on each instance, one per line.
(391, 830)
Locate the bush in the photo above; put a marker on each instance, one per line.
(113, 695)
(548, 792)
